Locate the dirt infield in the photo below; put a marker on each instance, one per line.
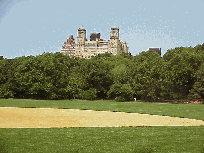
(12, 117)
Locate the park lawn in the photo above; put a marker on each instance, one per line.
(108, 139)
(113, 140)
(193, 111)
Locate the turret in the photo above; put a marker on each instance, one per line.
(81, 37)
(114, 34)
(114, 43)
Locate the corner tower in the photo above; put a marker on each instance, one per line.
(80, 45)
(81, 37)
(114, 34)
(114, 43)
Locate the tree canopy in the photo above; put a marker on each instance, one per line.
(147, 76)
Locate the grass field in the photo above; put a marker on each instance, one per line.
(124, 139)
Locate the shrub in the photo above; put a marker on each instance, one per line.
(120, 92)
(89, 94)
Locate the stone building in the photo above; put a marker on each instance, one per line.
(69, 47)
(86, 49)
(158, 50)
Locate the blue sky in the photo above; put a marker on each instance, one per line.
(31, 27)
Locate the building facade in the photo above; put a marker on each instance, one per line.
(158, 50)
(86, 49)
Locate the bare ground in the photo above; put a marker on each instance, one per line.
(12, 117)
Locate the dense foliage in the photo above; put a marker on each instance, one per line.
(179, 74)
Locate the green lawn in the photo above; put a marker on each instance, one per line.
(126, 139)
(123, 139)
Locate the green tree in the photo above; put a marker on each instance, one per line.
(181, 69)
(197, 92)
(89, 94)
(44, 76)
(94, 73)
(7, 68)
(148, 76)
(120, 92)
(120, 74)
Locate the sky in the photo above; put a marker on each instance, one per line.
(32, 27)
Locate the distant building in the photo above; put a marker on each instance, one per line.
(95, 37)
(69, 47)
(86, 49)
(158, 50)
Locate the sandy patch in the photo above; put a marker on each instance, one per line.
(12, 117)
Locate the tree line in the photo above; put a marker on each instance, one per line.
(179, 74)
